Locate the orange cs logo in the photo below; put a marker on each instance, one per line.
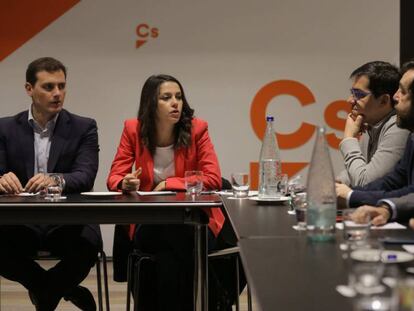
(305, 130)
(144, 32)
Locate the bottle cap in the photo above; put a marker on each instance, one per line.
(269, 118)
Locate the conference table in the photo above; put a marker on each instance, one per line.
(285, 270)
(177, 208)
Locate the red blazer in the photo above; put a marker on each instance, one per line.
(200, 155)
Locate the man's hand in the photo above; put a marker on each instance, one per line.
(131, 181)
(36, 183)
(412, 223)
(354, 126)
(10, 184)
(379, 214)
(342, 191)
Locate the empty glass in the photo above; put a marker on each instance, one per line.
(240, 185)
(53, 186)
(193, 182)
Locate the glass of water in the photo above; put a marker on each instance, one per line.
(240, 184)
(193, 182)
(53, 186)
(282, 185)
(299, 202)
(355, 230)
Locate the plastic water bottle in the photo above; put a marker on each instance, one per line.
(269, 163)
(321, 196)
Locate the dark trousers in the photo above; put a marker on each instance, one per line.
(167, 283)
(19, 244)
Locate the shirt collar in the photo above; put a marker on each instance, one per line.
(378, 126)
(50, 125)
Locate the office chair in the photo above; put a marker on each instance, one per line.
(137, 258)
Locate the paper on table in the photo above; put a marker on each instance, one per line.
(409, 248)
(27, 194)
(155, 192)
(230, 192)
(391, 225)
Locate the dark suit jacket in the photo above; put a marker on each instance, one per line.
(397, 183)
(404, 206)
(73, 151)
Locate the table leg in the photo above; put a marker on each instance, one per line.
(200, 268)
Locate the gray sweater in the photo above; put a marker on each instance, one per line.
(387, 146)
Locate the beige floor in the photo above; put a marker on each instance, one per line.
(14, 297)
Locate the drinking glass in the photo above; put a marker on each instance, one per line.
(53, 186)
(240, 185)
(367, 267)
(300, 205)
(355, 231)
(282, 185)
(405, 294)
(193, 182)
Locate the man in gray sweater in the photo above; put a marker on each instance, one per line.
(397, 208)
(373, 118)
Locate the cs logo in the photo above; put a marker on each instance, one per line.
(304, 131)
(144, 32)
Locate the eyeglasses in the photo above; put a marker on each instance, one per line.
(358, 94)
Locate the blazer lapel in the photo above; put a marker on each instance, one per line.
(59, 139)
(26, 138)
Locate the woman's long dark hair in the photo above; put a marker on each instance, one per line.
(148, 110)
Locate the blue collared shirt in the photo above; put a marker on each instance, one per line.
(42, 142)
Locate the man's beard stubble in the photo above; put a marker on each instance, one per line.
(406, 121)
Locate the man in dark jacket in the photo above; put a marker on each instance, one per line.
(48, 139)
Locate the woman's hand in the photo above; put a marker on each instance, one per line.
(161, 186)
(131, 181)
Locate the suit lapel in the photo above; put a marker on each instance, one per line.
(26, 138)
(59, 139)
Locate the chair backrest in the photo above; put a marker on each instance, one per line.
(225, 184)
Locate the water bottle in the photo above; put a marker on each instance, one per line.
(321, 196)
(269, 163)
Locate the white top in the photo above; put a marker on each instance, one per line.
(164, 166)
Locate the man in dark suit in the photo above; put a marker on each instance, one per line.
(48, 139)
(390, 197)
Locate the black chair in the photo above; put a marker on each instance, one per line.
(230, 252)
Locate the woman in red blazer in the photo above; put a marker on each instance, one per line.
(163, 143)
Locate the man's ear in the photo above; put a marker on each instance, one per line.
(385, 99)
(29, 88)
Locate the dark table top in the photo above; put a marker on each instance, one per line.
(123, 209)
(250, 219)
(284, 269)
(290, 273)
